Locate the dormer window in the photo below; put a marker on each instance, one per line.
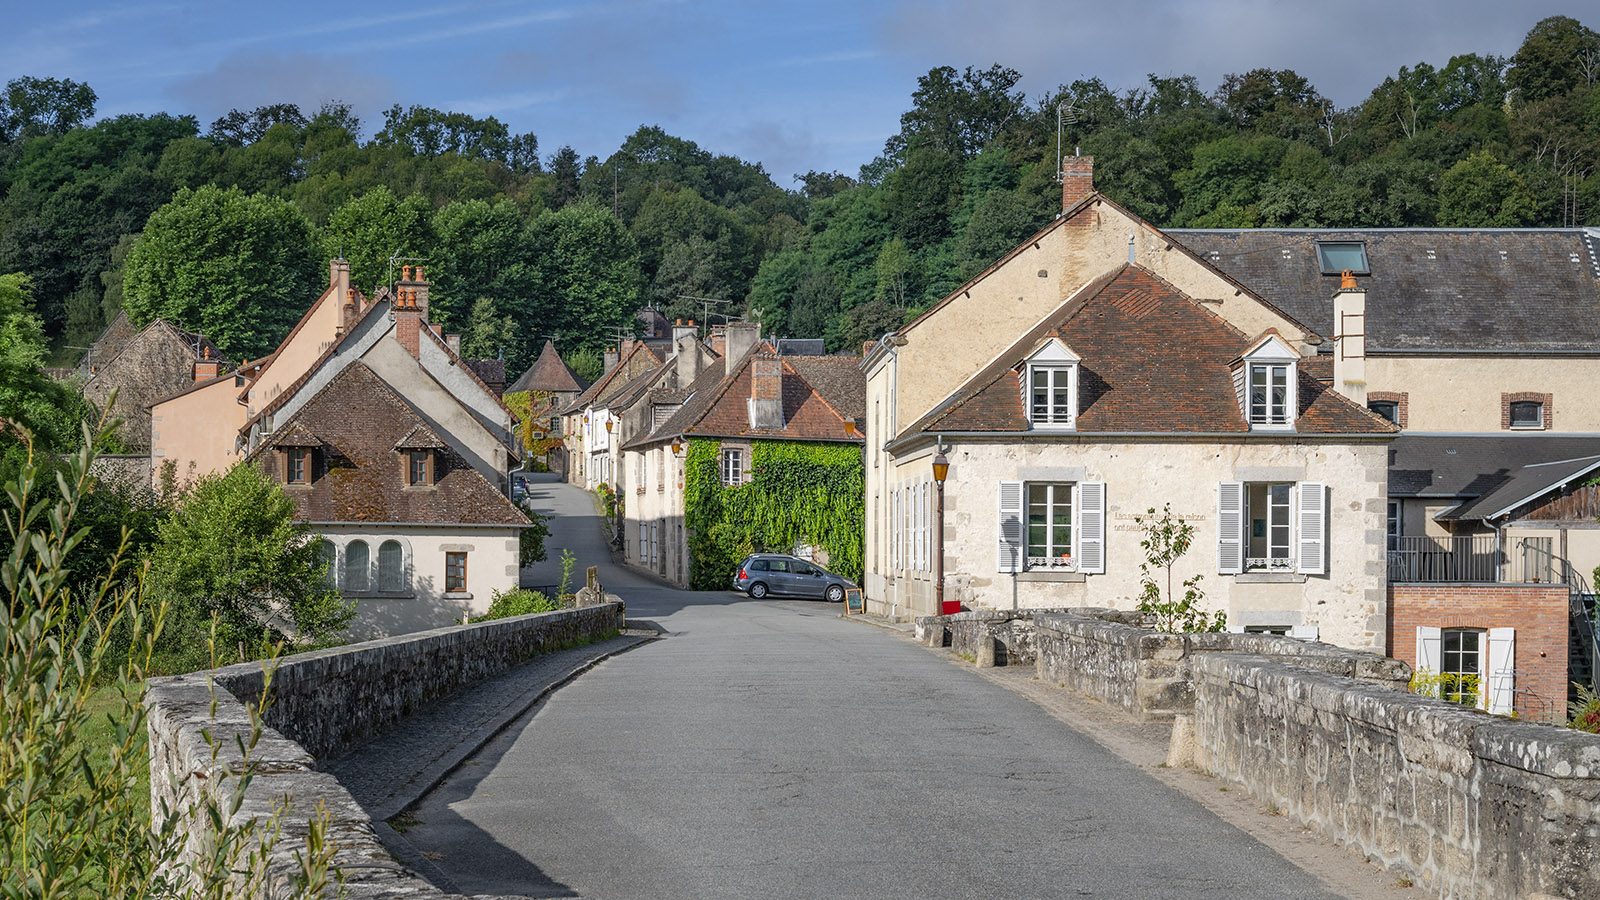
(1265, 379)
(296, 459)
(419, 464)
(1050, 386)
(1336, 256)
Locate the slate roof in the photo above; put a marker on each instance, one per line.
(820, 394)
(1431, 289)
(492, 372)
(548, 373)
(1467, 467)
(1524, 484)
(614, 380)
(359, 421)
(1152, 360)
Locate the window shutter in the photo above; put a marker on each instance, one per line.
(1500, 679)
(1430, 648)
(1313, 499)
(1092, 527)
(922, 526)
(1303, 632)
(1010, 526)
(1230, 527)
(894, 537)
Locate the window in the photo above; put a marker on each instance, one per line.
(777, 565)
(1389, 409)
(759, 565)
(296, 465)
(455, 573)
(1461, 665)
(1394, 525)
(1272, 527)
(1527, 414)
(357, 568)
(417, 475)
(1050, 527)
(391, 567)
(330, 558)
(1269, 394)
(1280, 630)
(1336, 256)
(732, 467)
(801, 568)
(1050, 385)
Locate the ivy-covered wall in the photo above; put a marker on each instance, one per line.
(810, 492)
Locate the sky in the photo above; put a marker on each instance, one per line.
(795, 86)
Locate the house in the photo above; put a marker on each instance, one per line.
(548, 386)
(143, 366)
(1096, 372)
(587, 422)
(723, 422)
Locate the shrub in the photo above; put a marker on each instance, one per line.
(1166, 539)
(517, 602)
(1584, 712)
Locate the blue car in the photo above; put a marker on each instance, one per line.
(761, 574)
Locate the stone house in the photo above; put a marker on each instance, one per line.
(587, 440)
(144, 366)
(749, 397)
(1099, 370)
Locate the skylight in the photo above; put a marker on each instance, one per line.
(1336, 256)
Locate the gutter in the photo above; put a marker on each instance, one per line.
(425, 524)
(1174, 436)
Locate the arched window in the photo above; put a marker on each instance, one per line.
(330, 555)
(357, 567)
(391, 566)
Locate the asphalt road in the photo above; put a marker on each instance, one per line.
(770, 750)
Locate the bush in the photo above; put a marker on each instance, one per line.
(1166, 539)
(1584, 712)
(516, 602)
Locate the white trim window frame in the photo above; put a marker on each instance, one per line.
(1051, 526)
(1050, 387)
(1271, 392)
(732, 466)
(1294, 532)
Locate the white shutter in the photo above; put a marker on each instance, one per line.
(1010, 544)
(922, 526)
(1500, 677)
(894, 537)
(1092, 527)
(1313, 527)
(1230, 527)
(1430, 649)
(1303, 632)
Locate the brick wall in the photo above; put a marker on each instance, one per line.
(1402, 403)
(1538, 612)
(1077, 180)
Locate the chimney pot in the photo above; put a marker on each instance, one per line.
(405, 272)
(1347, 280)
(419, 274)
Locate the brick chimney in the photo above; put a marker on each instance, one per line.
(686, 351)
(206, 367)
(454, 340)
(741, 338)
(611, 358)
(719, 340)
(766, 392)
(1077, 180)
(410, 308)
(1350, 339)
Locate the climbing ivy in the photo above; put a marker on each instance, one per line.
(798, 492)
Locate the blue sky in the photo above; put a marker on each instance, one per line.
(796, 86)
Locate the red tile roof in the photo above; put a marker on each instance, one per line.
(548, 373)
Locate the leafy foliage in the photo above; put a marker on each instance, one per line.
(1455, 687)
(798, 492)
(530, 541)
(1584, 712)
(1166, 539)
(518, 602)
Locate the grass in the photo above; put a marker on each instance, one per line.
(98, 735)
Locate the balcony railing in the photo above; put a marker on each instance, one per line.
(1472, 558)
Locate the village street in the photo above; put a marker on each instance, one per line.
(771, 749)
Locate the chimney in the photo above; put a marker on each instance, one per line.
(766, 392)
(719, 340)
(339, 276)
(410, 308)
(454, 340)
(1350, 339)
(611, 357)
(741, 338)
(1077, 180)
(686, 348)
(352, 310)
(206, 367)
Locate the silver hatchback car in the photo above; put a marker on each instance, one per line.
(761, 574)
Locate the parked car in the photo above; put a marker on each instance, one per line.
(761, 574)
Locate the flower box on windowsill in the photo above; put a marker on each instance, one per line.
(1263, 564)
(1052, 564)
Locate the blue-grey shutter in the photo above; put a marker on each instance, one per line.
(1092, 527)
(1010, 544)
(1230, 527)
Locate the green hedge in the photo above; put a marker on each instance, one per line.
(798, 492)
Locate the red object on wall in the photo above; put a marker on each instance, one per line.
(950, 608)
(1538, 612)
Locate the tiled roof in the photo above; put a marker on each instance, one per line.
(1461, 466)
(294, 387)
(548, 373)
(820, 394)
(420, 438)
(358, 475)
(296, 435)
(641, 359)
(1152, 360)
(491, 372)
(1431, 289)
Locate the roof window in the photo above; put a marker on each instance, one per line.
(1336, 256)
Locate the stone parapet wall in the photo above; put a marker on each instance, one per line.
(1009, 633)
(1470, 805)
(321, 703)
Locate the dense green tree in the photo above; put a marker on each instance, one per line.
(370, 229)
(586, 280)
(37, 106)
(239, 268)
(1482, 192)
(488, 332)
(958, 114)
(586, 363)
(29, 398)
(482, 250)
(566, 176)
(237, 127)
(425, 131)
(233, 549)
(1558, 55)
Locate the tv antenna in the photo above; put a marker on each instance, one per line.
(1067, 114)
(705, 305)
(397, 258)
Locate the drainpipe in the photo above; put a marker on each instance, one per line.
(1499, 553)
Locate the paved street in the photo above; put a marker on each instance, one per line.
(771, 750)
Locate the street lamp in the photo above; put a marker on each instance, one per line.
(941, 470)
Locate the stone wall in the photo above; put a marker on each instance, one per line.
(1470, 805)
(1008, 634)
(321, 703)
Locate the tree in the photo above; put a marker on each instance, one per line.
(47, 408)
(35, 106)
(233, 549)
(482, 250)
(425, 131)
(586, 278)
(237, 128)
(239, 268)
(1482, 192)
(488, 333)
(371, 228)
(1552, 59)
(586, 363)
(958, 114)
(566, 176)
(1166, 539)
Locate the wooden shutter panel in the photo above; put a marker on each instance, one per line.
(1092, 527)
(1430, 648)
(1499, 679)
(1010, 543)
(1230, 527)
(1313, 527)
